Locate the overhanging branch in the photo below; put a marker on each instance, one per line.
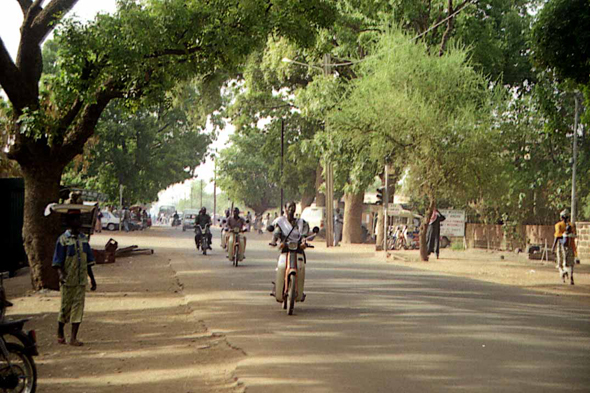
(10, 78)
(44, 21)
(25, 5)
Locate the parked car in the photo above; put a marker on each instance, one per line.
(110, 221)
(188, 219)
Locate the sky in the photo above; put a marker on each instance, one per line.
(10, 20)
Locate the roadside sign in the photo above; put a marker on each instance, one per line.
(393, 208)
(454, 225)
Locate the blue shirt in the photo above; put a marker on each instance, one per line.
(74, 255)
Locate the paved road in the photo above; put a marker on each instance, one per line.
(371, 327)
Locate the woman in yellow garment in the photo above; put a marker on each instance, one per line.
(567, 253)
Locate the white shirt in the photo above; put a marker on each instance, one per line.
(301, 228)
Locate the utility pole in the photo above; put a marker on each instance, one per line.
(329, 178)
(121, 186)
(282, 159)
(385, 209)
(214, 190)
(201, 193)
(575, 156)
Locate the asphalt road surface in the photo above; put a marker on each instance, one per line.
(371, 327)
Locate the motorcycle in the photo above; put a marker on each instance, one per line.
(290, 276)
(18, 372)
(235, 244)
(202, 241)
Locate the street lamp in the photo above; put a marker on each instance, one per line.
(327, 163)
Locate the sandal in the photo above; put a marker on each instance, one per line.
(76, 343)
(61, 340)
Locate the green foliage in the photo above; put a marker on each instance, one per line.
(8, 168)
(427, 113)
(146, 151)
(243, 173)
(561, 39)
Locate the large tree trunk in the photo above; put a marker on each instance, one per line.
(306, 200)
(320, 198)
(353, 218)
(424, 229)
(42, 183)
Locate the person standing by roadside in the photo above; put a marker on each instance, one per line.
(73, 260)
(338, 226)
(567, 252)
(433, 232)
(98, 226)
(248, 222)
(125, 217)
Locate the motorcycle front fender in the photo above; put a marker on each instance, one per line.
(29, 345)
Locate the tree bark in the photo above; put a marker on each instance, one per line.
(353, 218)
(379, 230)
(42, 183)
(306, 200)
(424, 229)
(320, 198)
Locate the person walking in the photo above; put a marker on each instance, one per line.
(433, 232)
(73, 260)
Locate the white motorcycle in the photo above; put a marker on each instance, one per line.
(290, 274)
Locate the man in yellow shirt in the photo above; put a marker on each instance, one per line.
(567, 253)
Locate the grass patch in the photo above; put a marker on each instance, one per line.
(457, 246)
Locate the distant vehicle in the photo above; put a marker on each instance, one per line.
(315, 216)
(110, 221)
(188, 221)
(166, 212)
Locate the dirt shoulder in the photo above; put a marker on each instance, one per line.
(499, 267)
(139, 334)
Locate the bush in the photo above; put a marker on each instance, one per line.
(457, 246)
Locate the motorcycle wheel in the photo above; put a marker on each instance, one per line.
(390, 244)
(236, 255)
(24, 367)
(204, 245)
(291, 295)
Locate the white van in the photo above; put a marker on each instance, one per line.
(315, 216)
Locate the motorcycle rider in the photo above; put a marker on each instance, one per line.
(236, 222)
(224, 229)
(203, 220)
(288, 229)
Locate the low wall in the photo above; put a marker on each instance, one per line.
(492, 236)
(583, 240)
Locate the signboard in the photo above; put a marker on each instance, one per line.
(454, 225)
(393, 208)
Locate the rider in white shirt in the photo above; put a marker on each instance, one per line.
(288, 229)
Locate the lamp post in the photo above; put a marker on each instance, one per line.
(327, 163)
(282, 159)
(215, 189)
